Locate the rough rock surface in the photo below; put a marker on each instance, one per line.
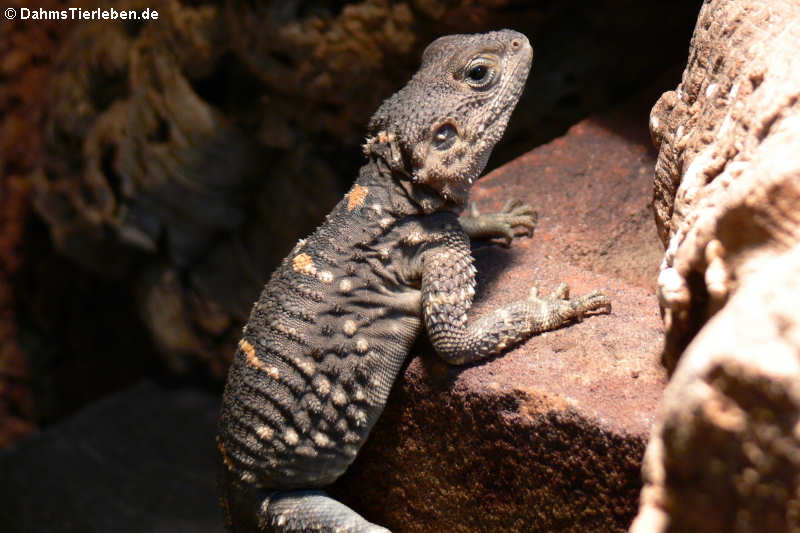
(144, 178)
(725, 454)
(25, 58)
(549, 436)
(141, 460)
(185, 156)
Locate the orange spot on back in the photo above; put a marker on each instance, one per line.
(304, 264)
(356, 196)
(253, 360)
(247, 348)
(250, 354)
(224, 453)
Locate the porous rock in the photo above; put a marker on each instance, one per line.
(725, 453)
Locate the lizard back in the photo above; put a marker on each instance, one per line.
(324, 343)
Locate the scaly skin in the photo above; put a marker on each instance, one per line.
(332, 327)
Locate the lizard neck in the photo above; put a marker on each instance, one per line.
(404, 197)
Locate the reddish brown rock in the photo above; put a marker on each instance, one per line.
(548, 437)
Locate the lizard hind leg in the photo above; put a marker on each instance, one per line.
(311, 511)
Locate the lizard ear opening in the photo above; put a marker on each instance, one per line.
(445, 137)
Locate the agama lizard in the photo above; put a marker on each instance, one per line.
(332, 327)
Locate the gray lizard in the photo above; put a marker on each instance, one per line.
(332, 327)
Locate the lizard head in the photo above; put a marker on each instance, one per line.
(442, 126)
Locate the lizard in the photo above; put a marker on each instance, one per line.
(332, 327)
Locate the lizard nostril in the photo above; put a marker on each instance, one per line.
(515, 44)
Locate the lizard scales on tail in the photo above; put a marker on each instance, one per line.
(332, 327)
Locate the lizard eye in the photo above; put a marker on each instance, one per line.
(479, 73)
(445, 137)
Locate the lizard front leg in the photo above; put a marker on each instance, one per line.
(448, 286)
(514, 214)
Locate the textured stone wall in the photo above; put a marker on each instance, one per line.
(725, 452)
(26, 52)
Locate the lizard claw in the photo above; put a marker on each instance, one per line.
(473, 210)
(561, 292)
(514, 206)
(592, 301)
(577, 308)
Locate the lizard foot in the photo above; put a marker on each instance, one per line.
(558, 305)
(502, 224)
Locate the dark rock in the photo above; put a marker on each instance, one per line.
(550, 436)
(26, 52)
(141, 460)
